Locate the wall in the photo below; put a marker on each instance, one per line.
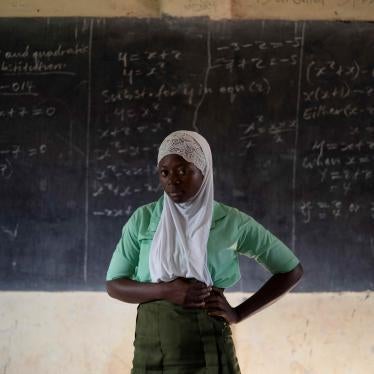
(216, 9)
(83, 332)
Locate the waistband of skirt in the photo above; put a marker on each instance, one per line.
(168, 305)
(163, 305)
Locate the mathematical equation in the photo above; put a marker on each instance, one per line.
(336, 209)
(118, 171)
(262, 129)
(136, 113)
(146, 64)
(122, 148)
(121, 212)
(130, 130)
(343, 91)
(230, 60)
(130, 114)
(18, 88)
(347, 98)
(14, 152)
(26, 112)
(258, 63)
(341, 165)
(261, 45)
(321, 70)
(361, 145)
(101, 188)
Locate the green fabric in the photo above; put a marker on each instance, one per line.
(170, 339)
(232, 233)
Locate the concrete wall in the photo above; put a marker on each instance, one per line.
(84, 333)
(216, 9)
(90, 333)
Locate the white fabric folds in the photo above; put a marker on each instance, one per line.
(179, 246)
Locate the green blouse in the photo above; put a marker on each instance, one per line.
(232, 233)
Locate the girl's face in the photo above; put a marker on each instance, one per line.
(179, 178)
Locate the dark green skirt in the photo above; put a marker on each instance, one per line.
(173, 340)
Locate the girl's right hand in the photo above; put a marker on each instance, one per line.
(186, 292)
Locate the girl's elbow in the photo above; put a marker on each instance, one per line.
(297, 272)
(110, 289)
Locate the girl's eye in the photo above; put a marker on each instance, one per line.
(163, 173)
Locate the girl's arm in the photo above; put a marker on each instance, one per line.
(272, 290)
(190, 294)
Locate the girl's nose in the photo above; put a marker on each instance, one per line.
(174, 179)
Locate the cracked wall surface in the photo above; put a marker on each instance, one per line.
(215, 9)
(83, 333)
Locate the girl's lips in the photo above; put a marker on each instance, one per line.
(176, 193)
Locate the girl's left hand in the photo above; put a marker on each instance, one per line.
(217, 305)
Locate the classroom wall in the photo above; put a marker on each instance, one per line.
(84, 332)
(215, 9)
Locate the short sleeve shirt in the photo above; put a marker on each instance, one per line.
(232, 233)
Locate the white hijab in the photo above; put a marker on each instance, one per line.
(179, 246)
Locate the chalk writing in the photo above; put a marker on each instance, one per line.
(335, 209)
(10, 232)
(261, 128)
(118, 171)
(321, 70)
(122, 148)
(84, 104)
(341, 165)
(127, 130)
(124, 212)
(18, 88)
(10, 155)
(120, 190)
(141, 112)
(259, 86)
(340, 92)
(34, 61)
(346, 111)
(16, 151)
(261, 45)
(146, 64)
(6, 169)
(27, 112)
(259, 63)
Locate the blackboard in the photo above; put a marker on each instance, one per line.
(288, 108)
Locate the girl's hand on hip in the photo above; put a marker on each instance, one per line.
(185, 292)
(217, 305)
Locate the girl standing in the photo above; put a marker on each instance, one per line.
(177, 255)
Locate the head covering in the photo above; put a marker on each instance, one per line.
(182, 143)
(179, 246)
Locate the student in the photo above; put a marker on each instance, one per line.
(177, 255)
